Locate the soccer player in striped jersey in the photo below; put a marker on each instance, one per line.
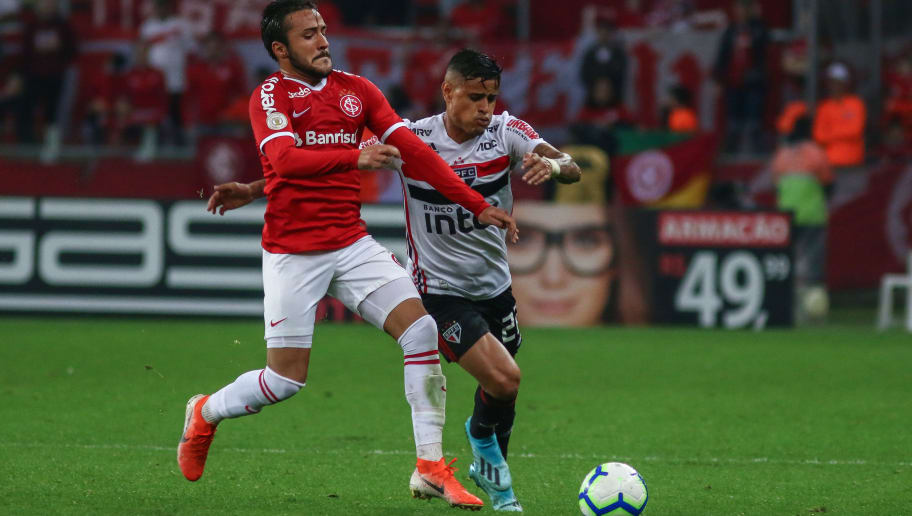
(460, 265)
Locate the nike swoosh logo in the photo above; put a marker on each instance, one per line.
(437, 488)
(295, 114)
(273, 324)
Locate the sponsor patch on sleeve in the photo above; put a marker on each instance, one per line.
(276, 121)
(522, 128)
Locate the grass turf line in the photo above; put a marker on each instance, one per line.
(778, 422)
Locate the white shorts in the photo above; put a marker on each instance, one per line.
(293, 284)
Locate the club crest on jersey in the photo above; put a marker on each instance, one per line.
(453, 333)
(276, 121)
(351, 105)
(467, 174)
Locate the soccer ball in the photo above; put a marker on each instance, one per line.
(613, 489)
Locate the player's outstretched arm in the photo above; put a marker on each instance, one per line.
(545, 162)
(421, 163)
(230, 196)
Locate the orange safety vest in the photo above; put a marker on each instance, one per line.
(839, 129)
(683, 120)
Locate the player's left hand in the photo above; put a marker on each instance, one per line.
(536, 169)
(229, 196)
(494, 216)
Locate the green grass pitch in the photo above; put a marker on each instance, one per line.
(718, 423)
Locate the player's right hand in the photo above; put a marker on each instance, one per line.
(377, 157)
(494, 216)
(229, 196)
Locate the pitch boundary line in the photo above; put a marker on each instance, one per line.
(592, 456)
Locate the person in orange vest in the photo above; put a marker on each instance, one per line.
(681, 116)
(839, 124)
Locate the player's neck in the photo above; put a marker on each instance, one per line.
(456, 134)
(295, 74)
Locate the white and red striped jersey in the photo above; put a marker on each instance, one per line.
(449, 251)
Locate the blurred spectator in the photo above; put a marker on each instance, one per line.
(330, 13)
(482, 20)
(740, 70)
(143, 102)
(237, 113)
(215, 80)
(630, 15)
(801, 172)
(600, 116)
(48, 49)
(170, 39)
(670, 14)
(681, 117)
(425, 65)
(10, 90)
(101, 124)
(898, 82)
(795, 106)
(603, 107)
(897, 141)
(840, 121)
(606, 58)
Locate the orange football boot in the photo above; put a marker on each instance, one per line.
(194, 443)
(434, 479)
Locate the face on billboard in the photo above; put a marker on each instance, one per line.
(562, 264)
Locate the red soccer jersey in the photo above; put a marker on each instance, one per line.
(308, 139)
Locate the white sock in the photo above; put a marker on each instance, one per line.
(425, 386)
(248, 394)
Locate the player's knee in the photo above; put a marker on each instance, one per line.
(420, 337)
(277, 387)
(506, 383)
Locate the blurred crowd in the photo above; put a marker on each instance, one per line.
(176, 84)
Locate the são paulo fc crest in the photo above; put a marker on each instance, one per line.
(351, 105)
(467, 174)
(276, 121)
(453, 333)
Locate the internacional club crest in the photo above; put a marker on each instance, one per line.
(351, 105)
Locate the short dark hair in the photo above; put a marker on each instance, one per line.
(682, 94)
(272, 27)
(472, 64)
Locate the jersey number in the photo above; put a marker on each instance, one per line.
(510, 332)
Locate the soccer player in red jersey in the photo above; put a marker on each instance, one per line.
(308, 120)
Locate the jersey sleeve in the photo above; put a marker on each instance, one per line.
(421, 163)
(378, 114)
(519, 136)
(269, 117)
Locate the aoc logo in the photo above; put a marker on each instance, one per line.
(351, 105)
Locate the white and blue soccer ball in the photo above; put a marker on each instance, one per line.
(613, 489)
